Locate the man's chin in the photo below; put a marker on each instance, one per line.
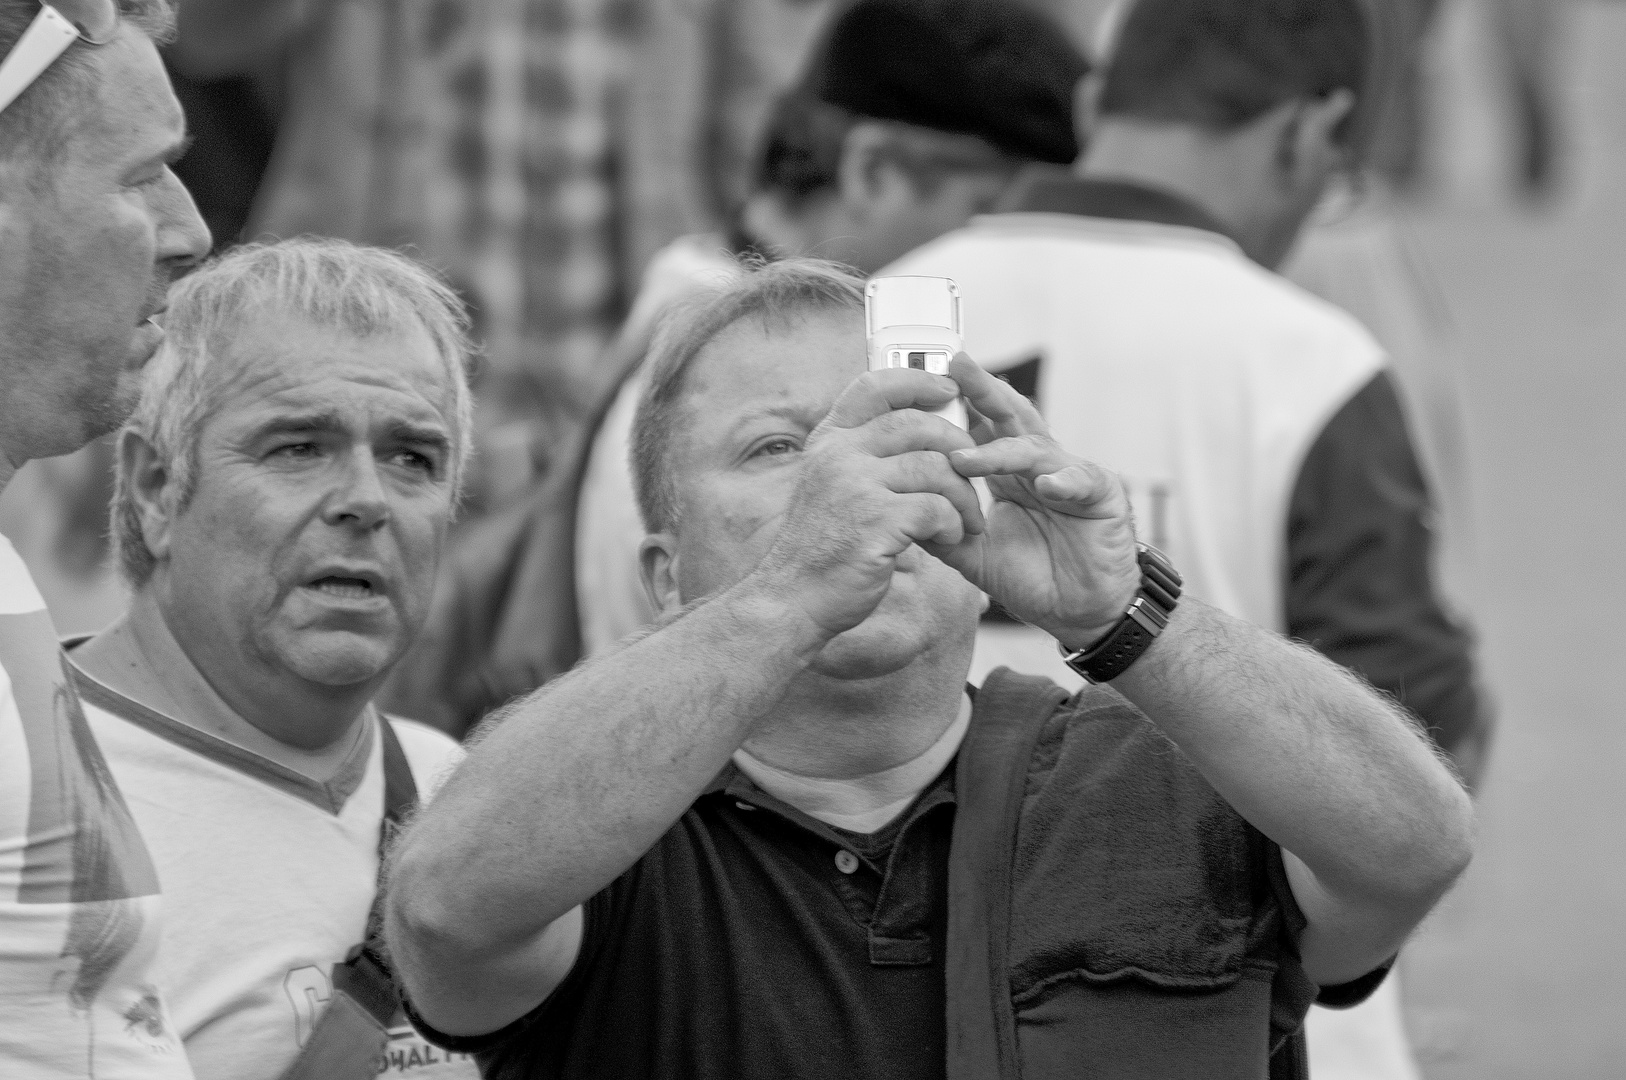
(341, 660)
(852, 661)
(873, 649)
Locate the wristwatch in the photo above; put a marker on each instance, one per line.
(1155, 600)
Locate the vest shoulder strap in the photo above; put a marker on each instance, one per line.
(990, 779)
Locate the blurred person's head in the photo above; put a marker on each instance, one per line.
(1248, 107)
(285, 484)
(739, 378)
(93, 227)
(912, 117)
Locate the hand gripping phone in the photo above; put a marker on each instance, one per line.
(914, 322)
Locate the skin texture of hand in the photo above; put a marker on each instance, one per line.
(876, 480)
(1058, 548)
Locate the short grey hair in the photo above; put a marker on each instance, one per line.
(332, 283)
(778, 293)
(38, 125)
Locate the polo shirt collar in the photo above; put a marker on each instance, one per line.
(1117, 200)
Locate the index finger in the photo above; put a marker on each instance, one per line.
(876, 393)
(1008, 413)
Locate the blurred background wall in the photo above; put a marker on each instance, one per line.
(1522, 972)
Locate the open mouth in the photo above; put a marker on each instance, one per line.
(344, 588)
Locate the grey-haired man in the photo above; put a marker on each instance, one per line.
(93, 225)
(283, 491)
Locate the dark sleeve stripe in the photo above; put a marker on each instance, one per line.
(1360, 578)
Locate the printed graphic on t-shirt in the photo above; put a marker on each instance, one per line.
(310, 989)
(78, 890)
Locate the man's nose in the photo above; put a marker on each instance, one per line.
(183, 237)
(359, 501)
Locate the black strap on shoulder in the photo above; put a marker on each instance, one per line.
(365, 972)
(347, 1044)
(400, 790)
(989, 782)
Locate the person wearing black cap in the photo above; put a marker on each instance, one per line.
(910, 117)
(913, 115)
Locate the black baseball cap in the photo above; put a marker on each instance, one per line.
(987, 68)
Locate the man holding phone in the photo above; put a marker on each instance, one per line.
(777, 836)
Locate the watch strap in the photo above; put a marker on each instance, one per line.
(1147, 615)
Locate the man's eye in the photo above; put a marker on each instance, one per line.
(776, 447)
(415, 461)
(296, 451)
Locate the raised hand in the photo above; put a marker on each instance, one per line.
(1058, 549)
(875, 480)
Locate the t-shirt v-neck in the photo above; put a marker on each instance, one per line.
(330, 795)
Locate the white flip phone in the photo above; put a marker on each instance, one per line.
(914, 322)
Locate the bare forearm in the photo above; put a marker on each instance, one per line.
(580, 779)
(1312, 757)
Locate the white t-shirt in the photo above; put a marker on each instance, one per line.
(1168, 356)
(269, 877)
(79, 903)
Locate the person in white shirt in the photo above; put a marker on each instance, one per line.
(93, 226)
(282, 495)
(1259, 427)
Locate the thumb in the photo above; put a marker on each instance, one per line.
(1082, 489)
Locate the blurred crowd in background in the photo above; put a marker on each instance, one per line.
(540, 152)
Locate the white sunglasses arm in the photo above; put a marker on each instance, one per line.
(46, 38)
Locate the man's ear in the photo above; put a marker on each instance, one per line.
(1311, 139)
(658, 562)
(149, 490)
(867, 171)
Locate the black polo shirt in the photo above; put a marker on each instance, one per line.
(754, 941)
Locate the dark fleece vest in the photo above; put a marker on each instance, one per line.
(1110, 915)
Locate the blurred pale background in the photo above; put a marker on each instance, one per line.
(1522, 973)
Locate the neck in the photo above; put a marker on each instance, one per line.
(842, 729)
(141, 658)
(8, 468)
(1219, 173)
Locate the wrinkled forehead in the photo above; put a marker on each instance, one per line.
(285, 359)
(799, 362)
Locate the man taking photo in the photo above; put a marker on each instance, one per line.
(93, 226)
(778, 836)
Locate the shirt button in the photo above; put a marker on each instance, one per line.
(846, 861)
